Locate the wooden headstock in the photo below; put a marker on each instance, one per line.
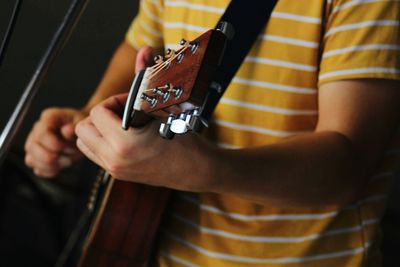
(178, 83)
(181, 76)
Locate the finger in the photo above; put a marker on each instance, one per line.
(41, 154)
(41, 169)
(44, 173)
(107, 122)
(47, 138)
(52, 119)
(144, 58)
(88, 153)
(42, 158)
(61, 123)
(68, 132)
(115, 103)
(91, 138)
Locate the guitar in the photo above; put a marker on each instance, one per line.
(125, 216)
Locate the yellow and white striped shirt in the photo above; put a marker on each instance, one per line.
(274, 96)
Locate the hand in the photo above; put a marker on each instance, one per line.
(141, 155)
(50, 145)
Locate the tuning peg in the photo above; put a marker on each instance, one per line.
(150, 99)
(187, 121)
(183, 42)
(193, 47)
(181, 124)
(163, 94)
(177, 91)
(165, 128)
(179, 58)
(158, 59)
(169, 53)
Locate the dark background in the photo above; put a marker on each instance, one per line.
(37, 216)
(81, 63)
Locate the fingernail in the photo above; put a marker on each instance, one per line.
(64, 162)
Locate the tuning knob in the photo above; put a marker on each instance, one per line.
(158, 59)
(193, 47)
(151, 100)
(162, 94)
(169, 53)
(179, 126)
(180, 58)
(183, 42)
(177, 91)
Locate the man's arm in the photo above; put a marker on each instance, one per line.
(329, 166)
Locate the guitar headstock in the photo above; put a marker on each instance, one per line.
(179, 82)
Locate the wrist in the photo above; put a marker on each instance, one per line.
(86, 108)
(207, 163)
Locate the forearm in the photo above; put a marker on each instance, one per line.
(118, 76)
(309, 170)
(330, 166)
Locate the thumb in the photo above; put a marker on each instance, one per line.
(144, 58)
(68, 132)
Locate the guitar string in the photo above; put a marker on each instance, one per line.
(163, 65)
(158, 66)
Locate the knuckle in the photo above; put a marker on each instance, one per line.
(122, 150)
(78, 127)
(94, 111)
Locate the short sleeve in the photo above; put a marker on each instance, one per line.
(146, 28)
(362, 40)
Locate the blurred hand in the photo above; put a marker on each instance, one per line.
(50, 145)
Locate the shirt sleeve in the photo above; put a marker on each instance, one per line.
(146, 28)
(362, 40)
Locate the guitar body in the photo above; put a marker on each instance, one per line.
(125, 225)
(125, 216)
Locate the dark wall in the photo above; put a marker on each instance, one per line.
(81, 63)
(36, 216)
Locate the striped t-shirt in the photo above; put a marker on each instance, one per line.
(274, 96)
